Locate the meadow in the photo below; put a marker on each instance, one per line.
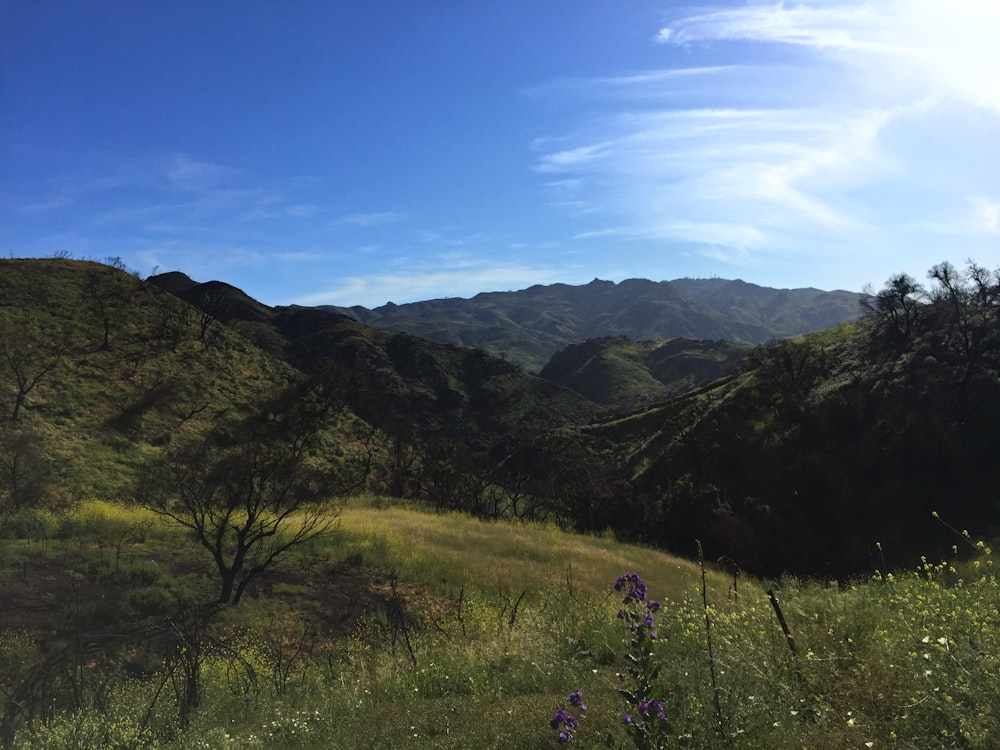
(410, 629)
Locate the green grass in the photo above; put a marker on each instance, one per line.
(910, 660)
(449, 551)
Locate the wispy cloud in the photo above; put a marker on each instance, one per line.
(950, 46)
(450, 275)
(173, 192)
(187, 173)
(374, 219)
(822, 149)
(841, 27)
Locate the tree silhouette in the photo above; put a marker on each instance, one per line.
(896, 307)
(27, 358)
(252, 489)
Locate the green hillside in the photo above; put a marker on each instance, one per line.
(624, 374)
(110, 368)
(102, 370)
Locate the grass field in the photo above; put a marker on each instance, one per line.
(408, 629)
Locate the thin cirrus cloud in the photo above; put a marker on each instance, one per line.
(814, 143)
(373, 219)
(176, 184)
(437, 278)
(187, 173)
(950, 45)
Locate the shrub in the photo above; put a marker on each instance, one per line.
(31, 523)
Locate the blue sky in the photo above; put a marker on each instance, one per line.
(360, 151)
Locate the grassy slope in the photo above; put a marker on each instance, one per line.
(908, 661)
(100, 411)
(450, 551)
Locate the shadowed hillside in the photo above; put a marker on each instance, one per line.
(833, 452)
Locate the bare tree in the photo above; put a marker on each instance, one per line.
(253, 489)
(896, 307)
(27, 358)
(211, 307)
(108, 293)
(24, 470)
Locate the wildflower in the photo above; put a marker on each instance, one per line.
(648, 707)
(561, 718)
(565, 723)
(636, 587)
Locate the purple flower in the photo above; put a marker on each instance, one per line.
(576, 699)
(647, 708)
(565, 723)
(636, 588)
(653, 705)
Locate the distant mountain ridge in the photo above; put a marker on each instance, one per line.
(529, 326)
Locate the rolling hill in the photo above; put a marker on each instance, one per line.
(624, 374)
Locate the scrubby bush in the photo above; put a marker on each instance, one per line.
(37, 524)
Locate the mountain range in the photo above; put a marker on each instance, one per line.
(529, 326)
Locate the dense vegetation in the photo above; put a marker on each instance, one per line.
(268, 563)
(836, 441)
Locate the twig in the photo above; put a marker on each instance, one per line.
(708, 640)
